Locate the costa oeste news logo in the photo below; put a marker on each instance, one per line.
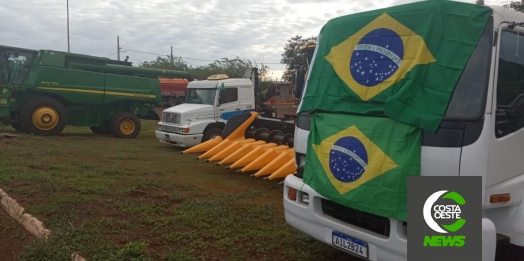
(442, 213)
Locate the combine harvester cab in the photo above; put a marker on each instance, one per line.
(252, 144)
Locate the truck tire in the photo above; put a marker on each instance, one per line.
(211, 133)
(100, 130)
(125, 125)
(43, 116)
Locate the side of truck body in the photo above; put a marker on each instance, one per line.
(43, 91)
(206, 110)
(482, 134)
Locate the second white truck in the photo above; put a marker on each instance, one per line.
(208, 106)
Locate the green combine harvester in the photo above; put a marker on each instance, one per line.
(43, 91)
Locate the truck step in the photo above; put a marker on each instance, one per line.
(502, 240)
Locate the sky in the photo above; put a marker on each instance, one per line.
(200, 31)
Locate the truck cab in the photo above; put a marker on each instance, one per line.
(208, 106)
(482, 134)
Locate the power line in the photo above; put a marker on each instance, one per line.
(157, 54)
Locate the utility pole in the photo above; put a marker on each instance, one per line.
(172, 61)
(68, 47)
(118, 47)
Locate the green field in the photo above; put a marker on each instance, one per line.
(119, 199)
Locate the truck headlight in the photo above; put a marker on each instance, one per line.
(183, 130)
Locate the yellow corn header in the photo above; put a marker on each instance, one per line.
(252, 144)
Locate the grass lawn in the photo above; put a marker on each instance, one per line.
(118, 199)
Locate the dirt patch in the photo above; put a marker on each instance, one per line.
(13, 237)
(137, 194)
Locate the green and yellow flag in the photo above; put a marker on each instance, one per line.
(402, 61)
(363, 162)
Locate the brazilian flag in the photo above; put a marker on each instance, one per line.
(402, 62)
(363, 162)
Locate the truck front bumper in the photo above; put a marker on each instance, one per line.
(178, 140)
(308, 217)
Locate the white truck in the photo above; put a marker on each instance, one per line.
(208, 106)
(482, 134)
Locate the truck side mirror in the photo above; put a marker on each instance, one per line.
(510, 119)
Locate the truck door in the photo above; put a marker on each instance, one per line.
(507, 141)
(228, 103)
(247, 101)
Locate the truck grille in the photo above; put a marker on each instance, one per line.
(373, 223)
(166, 128)
(171, 117)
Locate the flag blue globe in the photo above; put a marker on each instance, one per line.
(348, 159)
(376, 57)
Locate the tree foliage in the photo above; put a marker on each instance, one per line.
(169, 63)
(292, 57)
(234, 68)
(517, 6)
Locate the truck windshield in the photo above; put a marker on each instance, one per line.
(469, 97)
(201, 96)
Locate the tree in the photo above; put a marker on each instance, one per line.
(234, 68)
(517, 6)
(292, 57)
(169, 63)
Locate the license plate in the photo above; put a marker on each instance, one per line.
(350, 244)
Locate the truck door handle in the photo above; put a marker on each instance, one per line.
(237, 109)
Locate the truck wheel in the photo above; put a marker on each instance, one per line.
(43, 116)
(211, 133)
(100, 130)
(125, 125)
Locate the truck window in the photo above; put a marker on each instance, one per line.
(469, 97)
(228, 95)
(510, 83)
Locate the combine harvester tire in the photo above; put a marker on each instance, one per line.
(252, 144)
